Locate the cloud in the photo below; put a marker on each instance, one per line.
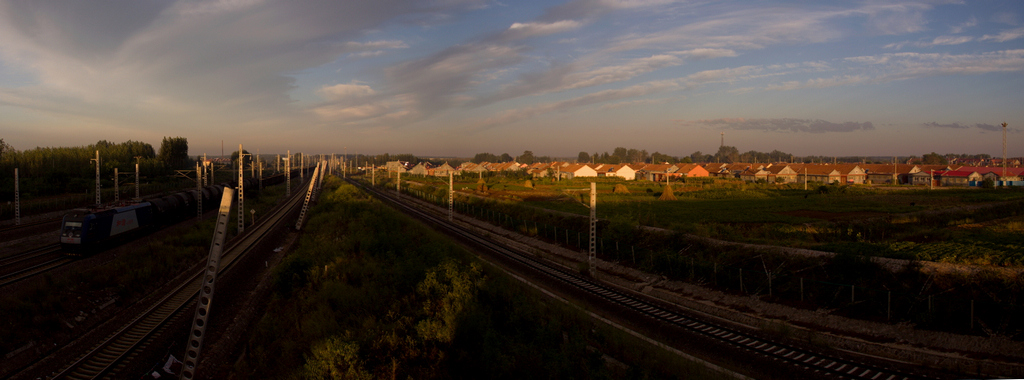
(901, 66)
(981, 126)
(535, 29)
(784, 125)
(951, 40)
(970, 23)
(1006, 35)
(436, 82)
(706, 53)
(346, 91)
(210, 63)
(893, 19)
(515, 115)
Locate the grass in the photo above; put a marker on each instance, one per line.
(371, 293)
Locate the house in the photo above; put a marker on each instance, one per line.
(444, 169)
(920, 178)
(850, 173)
(397, 166)
(422, 168)
(889, 173)
(624, 171)
(753, 175)
(570, 171)
(959, 177)
(715, 169)
(781, 173)
(692, 171)
(820, 173)
(658, 172)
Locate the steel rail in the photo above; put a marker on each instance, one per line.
(101, 360)
(19, 274)
(813, 362)
(14, 227)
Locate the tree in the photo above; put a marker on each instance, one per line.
(4, 147)
(697, 156)
(174, 152)
(505, 157)
(583, 157)
(657, 158)
(728, 154)
(247, 161)
(526, 157)
(933, 159)
(622, 154)
(484, 157)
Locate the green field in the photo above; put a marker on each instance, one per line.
(961, 225)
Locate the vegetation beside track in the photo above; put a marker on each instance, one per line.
(371, 293)
(960, 226)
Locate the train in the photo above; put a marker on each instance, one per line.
(86, 230)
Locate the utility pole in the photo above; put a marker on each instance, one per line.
(593, 229)
(97, 159)
(137, 197)
(199, 323)
(895, 179)
(199, 191)
(288, 171)
(241, 190)
(451, 193)
(373, 175)
(398, 184)
(17, 200)
(117, 189)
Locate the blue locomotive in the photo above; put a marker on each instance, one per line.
(86, 230)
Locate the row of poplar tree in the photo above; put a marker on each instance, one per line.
(58, 170)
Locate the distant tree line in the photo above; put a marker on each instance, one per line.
(58, 170)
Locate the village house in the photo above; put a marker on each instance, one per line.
(658, 172)
(397, 166)
(691, 171)
(570, 171)
(958, 177)
(443, 170)
(421, 169)
(781, 174)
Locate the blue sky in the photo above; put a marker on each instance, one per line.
(459, 77)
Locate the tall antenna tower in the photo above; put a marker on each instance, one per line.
(723, 140)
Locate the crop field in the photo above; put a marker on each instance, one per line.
(967, 225)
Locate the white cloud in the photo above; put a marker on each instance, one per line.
(535, 29)
(707, 53)
(1006, 35)
(345, 91)
(970, 23)
(951, 40)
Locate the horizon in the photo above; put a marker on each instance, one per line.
(469, 76)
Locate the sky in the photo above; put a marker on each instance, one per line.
(460, 77)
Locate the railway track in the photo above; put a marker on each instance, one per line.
(26, 264)
(108, 359)
(812, 363)
(16, 227)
